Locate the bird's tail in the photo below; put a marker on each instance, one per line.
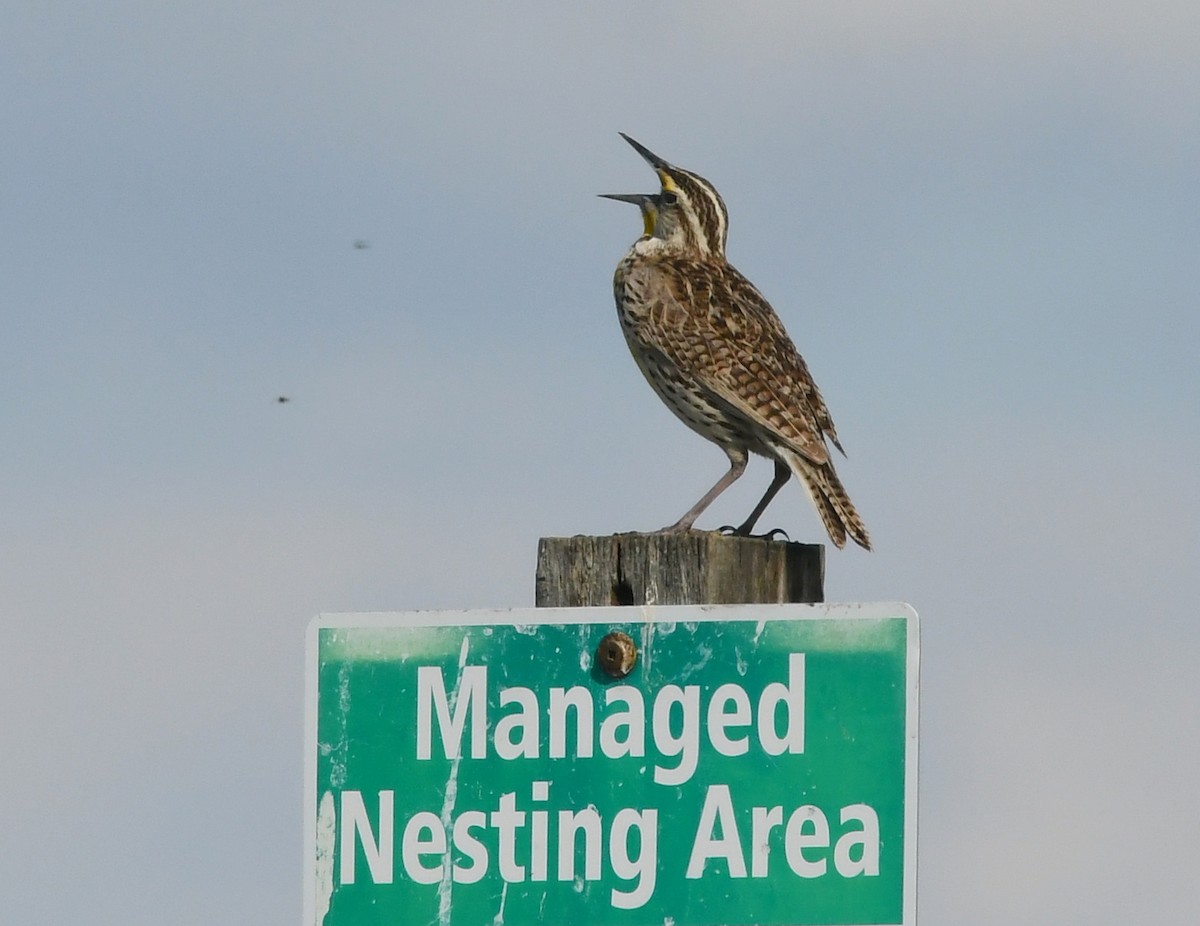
(830, 499)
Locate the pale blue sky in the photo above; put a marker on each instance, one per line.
(980, 223)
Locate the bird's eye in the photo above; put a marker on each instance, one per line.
(670, 198)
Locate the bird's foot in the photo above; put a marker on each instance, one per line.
(679, 527)
(730, 531)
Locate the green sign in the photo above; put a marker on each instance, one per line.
(757, 766)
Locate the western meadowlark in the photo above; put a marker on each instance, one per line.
(717, 354)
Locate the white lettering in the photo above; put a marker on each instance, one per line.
(580, 699)
(806, 839)
(717, 810)
(570, 823)
(475, 851)
(791, 698)
(524, 722)
(414, 846)
(719, 718)
(539, 840)
(632, 720)
(867, 839)
(645, 867)
(568, 720)
(686, 744)
(507, 820)
(763, 821)
(796, 840)
(355, 822)
(469, 699)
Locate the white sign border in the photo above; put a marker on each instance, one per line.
(649, 614)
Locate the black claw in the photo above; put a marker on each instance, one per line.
(730, 531)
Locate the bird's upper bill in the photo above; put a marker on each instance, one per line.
(647, 202)
(661, 167)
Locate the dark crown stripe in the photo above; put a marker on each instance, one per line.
(712, 219)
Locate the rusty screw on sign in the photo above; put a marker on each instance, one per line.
(617, 654)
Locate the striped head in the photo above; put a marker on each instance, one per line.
(689, 214)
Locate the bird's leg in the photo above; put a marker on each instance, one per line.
(782, 475)
(737, 466)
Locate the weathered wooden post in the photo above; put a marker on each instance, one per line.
(696, 567)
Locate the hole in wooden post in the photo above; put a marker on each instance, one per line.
(622, 592)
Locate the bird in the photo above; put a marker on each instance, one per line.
(717, 354)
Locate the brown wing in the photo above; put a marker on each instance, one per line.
(747, 298)
(713, 324)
